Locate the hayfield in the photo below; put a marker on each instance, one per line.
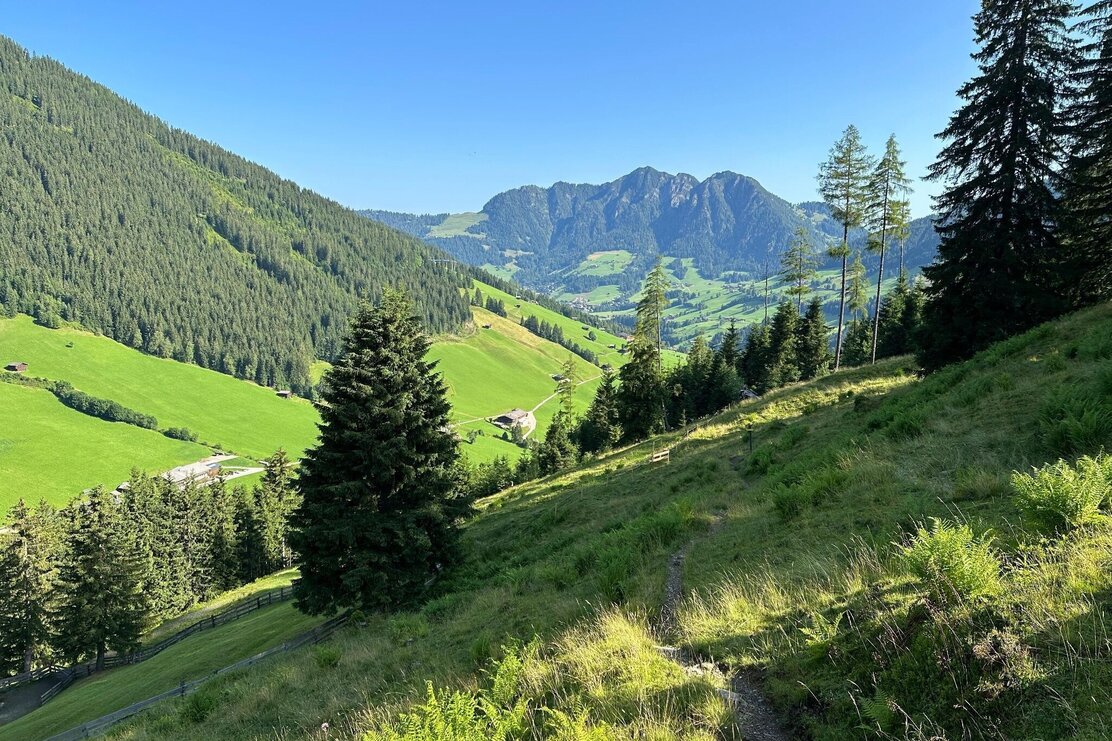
(49, 451)
(237, 415)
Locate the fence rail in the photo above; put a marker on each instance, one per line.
(32, 676)
(103, 723)
(69, 674)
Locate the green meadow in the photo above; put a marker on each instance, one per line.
(49, 451)
(223, 411)
(607, 262)
(193, 658)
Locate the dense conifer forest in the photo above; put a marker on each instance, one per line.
(162, 241)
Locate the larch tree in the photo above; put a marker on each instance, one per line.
(799, 266)
(996, 272)
(377, 518)
(844, 186)
(888, 211)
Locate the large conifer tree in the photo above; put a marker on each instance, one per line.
(813, 347)
(995, 272)
(377, 518)
(641, 394)
(102, 605)
(1087, 185)
(600, 428)
(28, 563)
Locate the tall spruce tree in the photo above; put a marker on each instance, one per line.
(888, 215)
(996, 272)
(641, 393)
(844, 186)
(813, 347)
(783, 358)
(558, 451)
(28, 568)
(377, 518)
(600, 429)
(799, 266)
(729, 349)
(101, 603)
(1087, 182)
(755, 358)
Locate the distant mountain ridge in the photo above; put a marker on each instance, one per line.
(727, 222)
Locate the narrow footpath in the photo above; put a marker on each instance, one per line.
(754, 718)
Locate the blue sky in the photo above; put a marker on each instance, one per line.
(434, 107)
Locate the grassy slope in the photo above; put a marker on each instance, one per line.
(497, 369)
(49, 451)
(871, 451)
(234, 414)
(573, 330)
(192, 658)
(488, 372)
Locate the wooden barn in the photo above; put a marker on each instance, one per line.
(16, 367)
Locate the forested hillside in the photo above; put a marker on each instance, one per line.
(162, 241)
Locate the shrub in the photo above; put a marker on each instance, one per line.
(1059, 497)
(406, 627)
(180, 433)
(760, 462)
(788, 501)
(952, 563)
(327, 657)
(1076, 423)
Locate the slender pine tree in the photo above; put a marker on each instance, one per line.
(377, 519)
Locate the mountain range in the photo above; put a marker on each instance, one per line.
(727, 223)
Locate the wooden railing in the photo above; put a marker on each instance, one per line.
(67, 675)
(93, 727)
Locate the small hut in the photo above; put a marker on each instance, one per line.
(16, 367)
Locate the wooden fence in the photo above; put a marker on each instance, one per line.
(67, 675)
(99, 725)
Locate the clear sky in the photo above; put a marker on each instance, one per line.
(433, 107)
